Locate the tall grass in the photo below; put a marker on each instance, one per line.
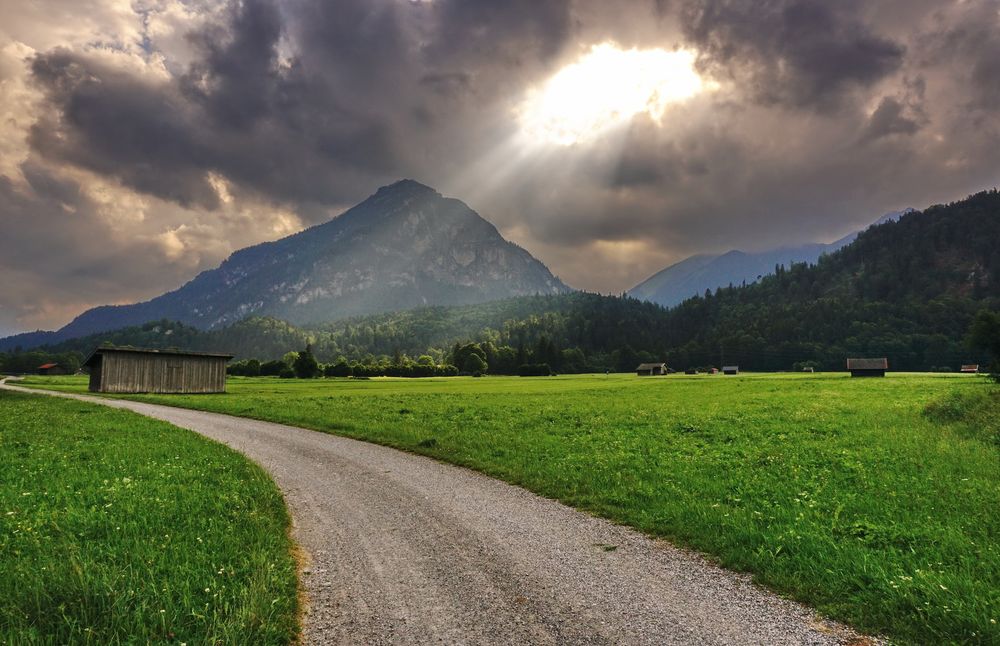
(975, 413)
(116, 529)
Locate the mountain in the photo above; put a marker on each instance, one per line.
(693, 275)
(405, 246)
(907, 290)
(30, 340)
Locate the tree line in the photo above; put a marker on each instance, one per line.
(18, 361)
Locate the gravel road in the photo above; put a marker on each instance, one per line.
(405, 550)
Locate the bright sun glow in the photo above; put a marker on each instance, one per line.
(605, 88)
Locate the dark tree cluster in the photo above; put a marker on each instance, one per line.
(985, 334)
(18, 362)
(303, 365)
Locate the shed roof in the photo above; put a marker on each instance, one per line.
(724, 368)
(868, 364)
(650, 366)
(46, 366)
(174, 353)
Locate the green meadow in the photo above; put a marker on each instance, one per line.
(118, 529)
(876, 501)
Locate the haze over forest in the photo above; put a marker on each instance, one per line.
(144, 142)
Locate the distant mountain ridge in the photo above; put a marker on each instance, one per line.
(405, 246)
(693, 275)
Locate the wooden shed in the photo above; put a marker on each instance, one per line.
(137, 370)
(730, 370)
(651, 369)
(868, 367)
(51, 369)
(970, 367)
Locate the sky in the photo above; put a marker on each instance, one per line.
(143, 141)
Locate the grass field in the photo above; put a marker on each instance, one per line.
(117, 529)
(876, 501)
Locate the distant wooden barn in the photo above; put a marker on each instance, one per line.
(730, 370)
(135, 370)
(971, 367)
(51, 369)
(651, 369)
(868, 367)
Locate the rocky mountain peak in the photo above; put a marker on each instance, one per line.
(404, 188)
(404, 246)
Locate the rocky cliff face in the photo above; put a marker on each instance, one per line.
(403, 247)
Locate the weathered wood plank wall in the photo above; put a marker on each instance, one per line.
(133, 372)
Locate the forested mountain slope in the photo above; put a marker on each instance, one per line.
(905, 289)
(692, 276)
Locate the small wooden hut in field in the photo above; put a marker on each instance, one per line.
(136, 370)
(51, 369)
(970, 367)
(730, 370)
(868, 367)
(651, 369)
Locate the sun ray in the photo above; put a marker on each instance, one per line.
(606, 88)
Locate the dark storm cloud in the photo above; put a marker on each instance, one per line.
(279, 130)
(804, 52)
(969, 38)
(647, 159)
(986, 74)
(352, 101)
(237, 81)
(59, 255)
(477, 32)
(115, 123)
(890, 118)
(53, 218)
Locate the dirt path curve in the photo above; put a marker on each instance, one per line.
(406, 550)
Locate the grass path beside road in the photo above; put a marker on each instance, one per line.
(115, 528)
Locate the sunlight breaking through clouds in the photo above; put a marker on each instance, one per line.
(607, 87)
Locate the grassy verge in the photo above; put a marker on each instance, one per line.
(976, 412)
(852, 495)
(115, 528)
